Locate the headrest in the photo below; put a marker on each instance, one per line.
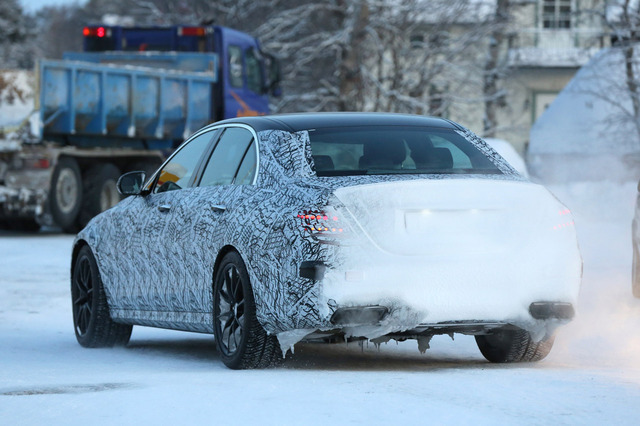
(384, 153)
(323, 163)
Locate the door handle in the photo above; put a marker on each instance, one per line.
(218, 208)
(164, 207)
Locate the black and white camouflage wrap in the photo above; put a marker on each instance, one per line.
(158, 267)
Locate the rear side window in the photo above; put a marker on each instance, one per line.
(179, 171)
(247, 169)
(228, 158)
(384, 150)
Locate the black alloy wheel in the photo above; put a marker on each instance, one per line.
(240, 339)
(92, 321)
(82, 294)
(231, 307)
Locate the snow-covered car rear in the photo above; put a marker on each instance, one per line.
(267, 231)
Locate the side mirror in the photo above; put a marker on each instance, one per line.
(131, 183)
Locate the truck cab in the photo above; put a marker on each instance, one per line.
(247, 74)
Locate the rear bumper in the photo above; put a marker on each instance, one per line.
(536, 294)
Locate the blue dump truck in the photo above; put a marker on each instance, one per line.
(124, 103)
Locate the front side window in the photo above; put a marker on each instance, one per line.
(179, 171)
(235, 66)
(227, 158)
(385, 150)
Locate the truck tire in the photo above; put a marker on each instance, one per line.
(65, 196)
(99, 191)
(513, 345)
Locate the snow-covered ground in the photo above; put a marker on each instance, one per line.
(592, 375)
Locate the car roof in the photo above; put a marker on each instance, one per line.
(306, 121)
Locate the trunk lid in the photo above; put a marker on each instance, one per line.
(454, 216)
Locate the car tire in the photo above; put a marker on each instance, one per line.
(92, 321)
(65, 195)
(99, 191)
(513, 345)
(241, 341)
(635, 274)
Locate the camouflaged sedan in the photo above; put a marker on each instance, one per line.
(267, 231)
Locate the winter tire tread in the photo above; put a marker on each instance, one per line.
(257, 348)
(101, 331)
(513, 345)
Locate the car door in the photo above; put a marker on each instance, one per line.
(154, 224)
(197, 223)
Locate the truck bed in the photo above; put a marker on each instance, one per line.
(114, 105)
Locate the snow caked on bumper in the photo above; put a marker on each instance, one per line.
(454, 251)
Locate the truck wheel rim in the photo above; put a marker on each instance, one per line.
(66, 191)
(231, 308)
(109, 195)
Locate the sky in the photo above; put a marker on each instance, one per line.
(33, 5)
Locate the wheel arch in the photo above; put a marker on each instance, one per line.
(77, 246)
(221, 254)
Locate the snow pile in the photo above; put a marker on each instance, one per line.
(16, 98)
(587, 133)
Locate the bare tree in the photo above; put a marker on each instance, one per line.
(411, 56)
(495, 65)
(617, 81)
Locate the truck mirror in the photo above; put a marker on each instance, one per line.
(131, 183)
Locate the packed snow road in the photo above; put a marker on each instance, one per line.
(592, 375)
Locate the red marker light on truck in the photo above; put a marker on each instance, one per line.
(96, 32)
(191, 31)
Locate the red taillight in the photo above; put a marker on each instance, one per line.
(564, 224)
(317, 222)
(191, 31)
(96, 32)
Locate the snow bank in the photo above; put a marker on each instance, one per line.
(587, 132)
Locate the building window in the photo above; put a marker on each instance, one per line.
(556, 14)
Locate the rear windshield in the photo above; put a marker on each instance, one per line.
(385, 150)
